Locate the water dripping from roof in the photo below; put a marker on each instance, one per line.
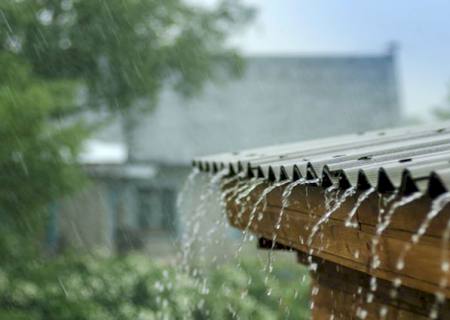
(285, 197)
(361, 198)
(347, 193)
(254, 210)
(383, 223)
(191, 235)
(187, 185)
(436, 207)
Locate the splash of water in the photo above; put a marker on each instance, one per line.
(361, 198)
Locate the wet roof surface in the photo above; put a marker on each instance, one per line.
(405, 159)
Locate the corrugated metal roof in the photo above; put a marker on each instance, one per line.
(405, 159)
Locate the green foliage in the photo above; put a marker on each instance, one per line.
(61, 56)
(123, 50)
(37, 156)
(138, 288)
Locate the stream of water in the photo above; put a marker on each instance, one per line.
(250, 207)
(285, 197)
(436, 207)
(325, 217)
(361, 198)
(191, 234)
(384, 220)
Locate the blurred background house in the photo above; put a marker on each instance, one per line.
(130, 203)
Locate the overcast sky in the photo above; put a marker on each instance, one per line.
(420, 27)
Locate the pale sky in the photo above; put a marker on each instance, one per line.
(420, 27)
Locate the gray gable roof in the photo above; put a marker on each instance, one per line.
(278, 100)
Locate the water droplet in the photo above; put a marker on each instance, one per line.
(397, 282)
(383, 312)
(315, 291)
(400, 264)
(361, 313)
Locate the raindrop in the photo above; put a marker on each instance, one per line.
(6, 21)
(45, 17)
(385, 221)
(361, 313)
(66, 5)
(383, 312)
(361, 198)
(315, 291)
(347, 193)
(65, 43)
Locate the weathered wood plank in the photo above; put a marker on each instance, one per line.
(352, 247)
(344, 293)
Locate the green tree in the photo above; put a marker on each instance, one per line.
(37, 156)
(124, 50)
(60, 57)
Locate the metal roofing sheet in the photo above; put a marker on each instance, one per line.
(407, 159)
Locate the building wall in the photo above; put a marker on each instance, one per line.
(119, 215)
(278, 100)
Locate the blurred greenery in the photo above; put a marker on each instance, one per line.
(38, 159)
(63, 57)
(136, 287)
(123, 50)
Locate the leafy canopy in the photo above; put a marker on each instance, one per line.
(37, 156)
(123, 50)
(62, 56)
